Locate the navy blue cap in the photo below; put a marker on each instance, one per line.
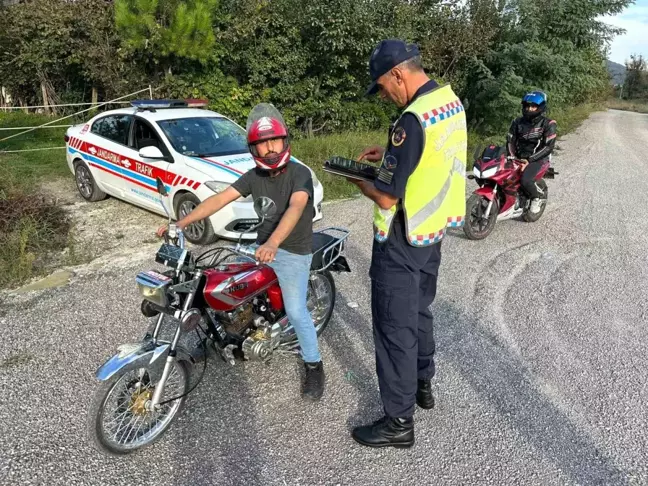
(388, 54)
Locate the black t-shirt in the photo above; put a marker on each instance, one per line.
(280, 189)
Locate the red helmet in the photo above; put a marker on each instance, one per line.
(268, 128)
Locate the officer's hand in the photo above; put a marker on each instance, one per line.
(266, 253)
(372, 154)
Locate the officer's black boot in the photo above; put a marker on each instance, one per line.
(394, 432)
(424, 397)
(314, 381)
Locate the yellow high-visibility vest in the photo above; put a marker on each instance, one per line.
(435, 192)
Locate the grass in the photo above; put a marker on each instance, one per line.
(638, 106)
(31, 226)
(315, 151)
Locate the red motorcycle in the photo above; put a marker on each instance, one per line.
(500, 195)
(228, 296)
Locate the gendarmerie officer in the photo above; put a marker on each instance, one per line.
(419, 192)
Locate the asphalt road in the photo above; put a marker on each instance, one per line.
(542, 363)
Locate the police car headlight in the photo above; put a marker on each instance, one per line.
(316, 182)
(217, 186)
(489, 173)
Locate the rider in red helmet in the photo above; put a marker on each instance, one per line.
(285, 239)
(269, 136)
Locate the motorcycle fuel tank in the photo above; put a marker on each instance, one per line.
(229, 286)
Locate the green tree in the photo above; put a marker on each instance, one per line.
(163, 33)
(636, 82)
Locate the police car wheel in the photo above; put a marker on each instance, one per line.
(86, 184)
(199, 233)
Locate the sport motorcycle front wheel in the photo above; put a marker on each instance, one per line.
(477, 226)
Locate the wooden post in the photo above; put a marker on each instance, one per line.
(95, 98)
(45, 99)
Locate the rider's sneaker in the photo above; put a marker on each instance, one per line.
(536, 205)
(314, 381)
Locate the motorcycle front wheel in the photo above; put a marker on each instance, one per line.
(477, 226)
(118, 421)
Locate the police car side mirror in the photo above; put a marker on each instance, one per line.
(151, 152)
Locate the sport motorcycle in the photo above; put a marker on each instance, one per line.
(233, 304)
(500, 195)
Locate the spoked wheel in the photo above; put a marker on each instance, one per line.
(320, 301)
(477, 225)
(530, 217)
(119, 421)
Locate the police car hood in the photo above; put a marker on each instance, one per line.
(226, 168)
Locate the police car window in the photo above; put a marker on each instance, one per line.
(113, 128)
(205, 137)
(145, 136)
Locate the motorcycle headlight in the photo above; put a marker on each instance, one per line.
(152, 286)
(217, 186)
(489, 173)
(476, 171)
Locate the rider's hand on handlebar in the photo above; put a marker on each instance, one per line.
(524, 163)
(162, 230)
(266, 253)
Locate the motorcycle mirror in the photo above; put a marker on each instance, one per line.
(160, 187)
(265, 207)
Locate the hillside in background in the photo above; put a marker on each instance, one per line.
(618, 72)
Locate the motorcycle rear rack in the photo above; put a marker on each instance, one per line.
(331, 252)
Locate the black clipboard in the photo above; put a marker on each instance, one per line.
(351, 169)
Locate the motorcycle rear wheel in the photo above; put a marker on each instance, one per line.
(132, 388)
(530, 217)
(476, 227)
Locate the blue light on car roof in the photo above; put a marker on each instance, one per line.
(155, 104)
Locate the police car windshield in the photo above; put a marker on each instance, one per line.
(204, 136)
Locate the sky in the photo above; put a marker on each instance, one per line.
(635, 41)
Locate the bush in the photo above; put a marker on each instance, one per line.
(31, 227)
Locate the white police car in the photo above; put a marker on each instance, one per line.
(196, 152)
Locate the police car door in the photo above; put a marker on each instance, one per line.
(142, 188)
(105, 144)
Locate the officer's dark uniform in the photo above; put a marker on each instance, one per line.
(404, 281)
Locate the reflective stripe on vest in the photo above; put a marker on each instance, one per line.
(435, 192)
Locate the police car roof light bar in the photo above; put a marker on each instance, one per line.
(157, 104)
(196, 103)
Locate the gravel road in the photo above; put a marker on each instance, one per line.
(541, 333)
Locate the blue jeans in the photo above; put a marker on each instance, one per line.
(293, 271)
